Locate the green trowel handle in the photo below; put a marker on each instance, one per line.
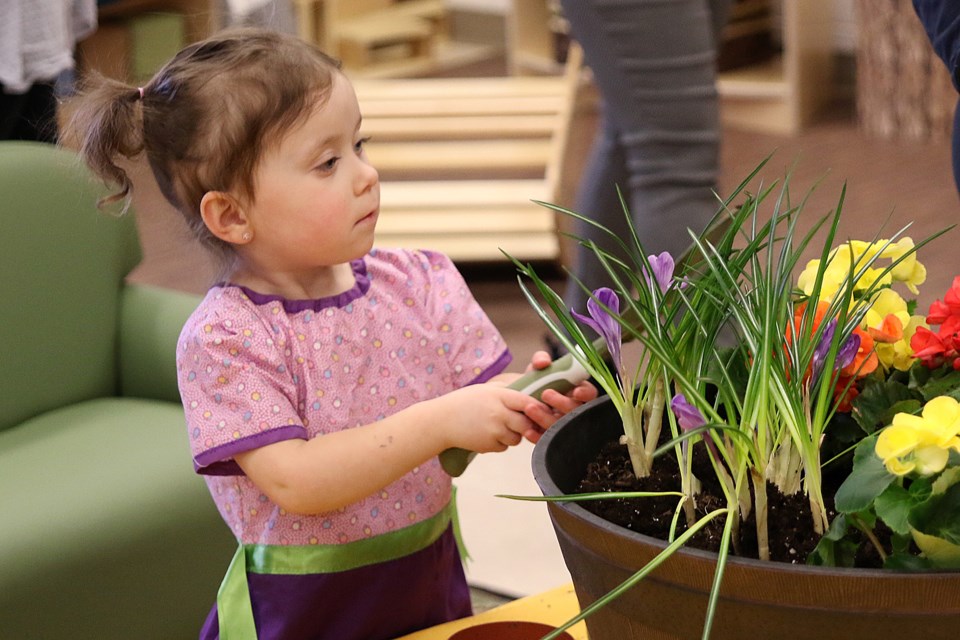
(562, 375)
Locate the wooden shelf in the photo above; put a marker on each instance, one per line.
(764, 80)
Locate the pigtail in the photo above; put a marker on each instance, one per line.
(107, 124)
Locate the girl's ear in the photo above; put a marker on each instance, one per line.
(225, 218)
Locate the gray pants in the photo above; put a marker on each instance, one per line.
(654, 64)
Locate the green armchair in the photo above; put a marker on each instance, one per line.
(105, 531)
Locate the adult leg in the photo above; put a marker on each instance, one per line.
(598, 198)
(654, 62)
(30, 115)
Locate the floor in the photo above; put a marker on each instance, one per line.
(514, 552)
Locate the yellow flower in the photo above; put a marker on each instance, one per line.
(921, 443)
(884, 303)
(860, 254)
(809, 275)
(942, 418)
(899, 355)
(910, 271)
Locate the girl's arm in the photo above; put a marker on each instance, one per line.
(331, 471)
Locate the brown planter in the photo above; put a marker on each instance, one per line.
(507, 631)
(758, 599)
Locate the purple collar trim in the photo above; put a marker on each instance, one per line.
(338, 301)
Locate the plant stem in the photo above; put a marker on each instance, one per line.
(821, 521)
(760, 511)
(633, 438)
(655, 419)
(870, 536)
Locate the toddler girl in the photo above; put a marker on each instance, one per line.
(320, 378)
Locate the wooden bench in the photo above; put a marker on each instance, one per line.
(461, 159)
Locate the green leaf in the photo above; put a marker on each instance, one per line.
(868, 479)
(835, 549)
(939, 516)
(907, 562)
(841, 435)
(942, 385)
(894, 504)
(880, 400)
(918, 375)
(947, 479)
(901, 544)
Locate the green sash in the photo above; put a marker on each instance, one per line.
(234, 610)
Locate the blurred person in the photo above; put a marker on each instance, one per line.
(654, 63)
(941, 21)
(37, 41)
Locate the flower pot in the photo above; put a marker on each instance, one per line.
(506, 630)
(758, 599)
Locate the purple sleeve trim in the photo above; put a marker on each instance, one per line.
(494, 369)
(219, 461)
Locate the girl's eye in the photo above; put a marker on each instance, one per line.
(328, 165)
(360, 144)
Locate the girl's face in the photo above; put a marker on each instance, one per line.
(317, 197)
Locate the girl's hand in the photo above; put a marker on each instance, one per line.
(484, 417)
(553, 404)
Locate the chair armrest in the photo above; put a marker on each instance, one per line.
(150, 322)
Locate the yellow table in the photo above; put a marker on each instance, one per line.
(552, 607)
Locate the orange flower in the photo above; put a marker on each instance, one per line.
(866, 361)
(798, 313)
(889, 331)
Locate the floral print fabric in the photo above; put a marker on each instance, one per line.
(257, 369)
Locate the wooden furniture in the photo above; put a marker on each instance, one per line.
(461, 159)
(356, 30)
(135, 37)
(782, 95)
(778, 96)
(358, 40)
(552, 607)
(202, 18)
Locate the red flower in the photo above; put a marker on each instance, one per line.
(844, 395)
(952, 297)
(928, 347)
(933, 349)
(939, 311)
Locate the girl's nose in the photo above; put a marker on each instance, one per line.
(367, 176)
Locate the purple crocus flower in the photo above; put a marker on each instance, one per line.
(822, 348)
(845, 355)
(601, 320)
(661, 267)
(690, 418)
(848, 351)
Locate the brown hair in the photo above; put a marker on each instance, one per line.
(204, 119)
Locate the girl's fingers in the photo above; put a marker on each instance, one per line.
(559, 402)
(541, 415)
(585, 392)
(510, 438)
(533, 435)
(539, 360)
